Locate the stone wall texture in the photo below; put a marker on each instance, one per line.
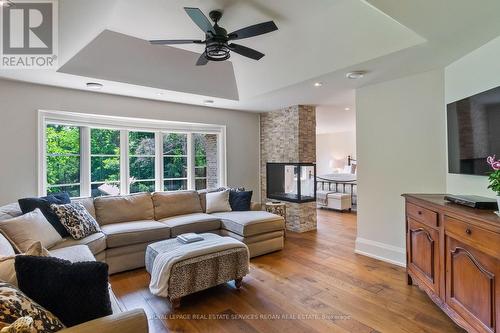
(307, 134)
(289, 136)
(212, 161)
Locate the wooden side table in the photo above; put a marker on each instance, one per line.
(278, 208)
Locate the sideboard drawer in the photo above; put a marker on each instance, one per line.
(482, 239)
(423, 215)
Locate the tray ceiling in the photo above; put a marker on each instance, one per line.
(317, 40)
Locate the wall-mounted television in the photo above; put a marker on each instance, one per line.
(473, 132)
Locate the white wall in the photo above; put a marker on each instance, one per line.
(401, 140)
(19, 103)
(476, 72)
(334, 146)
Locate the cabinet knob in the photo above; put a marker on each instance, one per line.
(419, 212)
(468, 231)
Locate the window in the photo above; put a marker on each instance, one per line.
(104, 162)
(205, 154)
(91, 155)
(63, 159)
(200, 161)
(175, 162)
(142, 162)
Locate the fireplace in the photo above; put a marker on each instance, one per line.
(293, 182)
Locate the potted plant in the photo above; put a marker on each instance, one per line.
(494, 177)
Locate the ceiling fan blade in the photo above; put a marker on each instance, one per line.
(200, 19)
(246, 51)
(202, 60)
(175, 41)
(253, 30)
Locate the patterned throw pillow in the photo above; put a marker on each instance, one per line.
(14, 305)
(22, 325)
(76, 219)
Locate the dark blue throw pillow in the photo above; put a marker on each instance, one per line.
(74, 292)
(30, 204)
(240, 201)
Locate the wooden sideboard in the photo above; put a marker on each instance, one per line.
(453, 254)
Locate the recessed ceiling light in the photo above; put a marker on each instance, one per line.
(6, 3)
(347, 109)
(159, 94)
(318, 84)
(355, 75)
(94, 85)
(208, 101)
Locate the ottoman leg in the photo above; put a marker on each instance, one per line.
(175, 302)
(238, 283)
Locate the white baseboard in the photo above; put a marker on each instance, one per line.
(385, 252)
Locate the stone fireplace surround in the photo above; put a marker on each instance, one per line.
(288, 136)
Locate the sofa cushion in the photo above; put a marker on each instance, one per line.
(125, 258)
(255, 238)
(203, 197)
(198, 222)
(26, 229)
(76, 253)
(43, 203)
(81, 293)
(128, 233)
(76, 219)
(95, 242)
(6, 248)
(88, 203)
(127, 208)
(203, 194)
(7, 270)
(168, 204)
(251, 222)
(9, 211)
(217, 202)
(240, 201)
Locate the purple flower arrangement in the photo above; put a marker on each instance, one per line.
(495, 164)
(494, 177)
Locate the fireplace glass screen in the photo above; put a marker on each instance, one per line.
(294, 182)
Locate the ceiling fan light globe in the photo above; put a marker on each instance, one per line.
(217, 51)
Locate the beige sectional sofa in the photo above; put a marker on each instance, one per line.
(129, 223)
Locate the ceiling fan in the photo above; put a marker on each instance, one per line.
(217, 40)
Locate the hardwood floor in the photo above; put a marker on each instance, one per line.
(316, 284)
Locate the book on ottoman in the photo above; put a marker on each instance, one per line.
(189, 238)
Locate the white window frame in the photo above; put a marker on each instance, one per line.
(194, 166)
(155, 156)
(161, 176)
(85, 142)
(124, 124)
(82, 161)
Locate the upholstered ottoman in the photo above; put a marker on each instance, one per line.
(336, 200)
(179, 269)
